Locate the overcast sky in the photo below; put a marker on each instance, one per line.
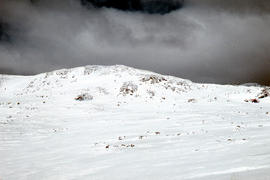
(213, 41)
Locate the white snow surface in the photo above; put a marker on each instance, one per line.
(117, 122)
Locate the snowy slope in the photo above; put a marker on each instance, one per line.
(117, 122)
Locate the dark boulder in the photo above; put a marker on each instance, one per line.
(147, 6)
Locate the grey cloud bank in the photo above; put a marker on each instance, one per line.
(205, 41)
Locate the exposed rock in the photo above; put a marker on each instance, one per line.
(264, 93)
(153, 79)
(128, 88)
(252, 100)
(84, 97)
(192, 100)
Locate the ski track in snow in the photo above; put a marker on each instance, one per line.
(130, 124)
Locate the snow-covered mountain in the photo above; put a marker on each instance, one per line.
(117, 122)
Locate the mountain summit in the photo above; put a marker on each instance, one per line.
(117, 122)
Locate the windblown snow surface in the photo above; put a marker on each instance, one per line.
(116, 122)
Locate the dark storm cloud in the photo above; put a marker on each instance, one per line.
(208, 40)
(146, 6)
